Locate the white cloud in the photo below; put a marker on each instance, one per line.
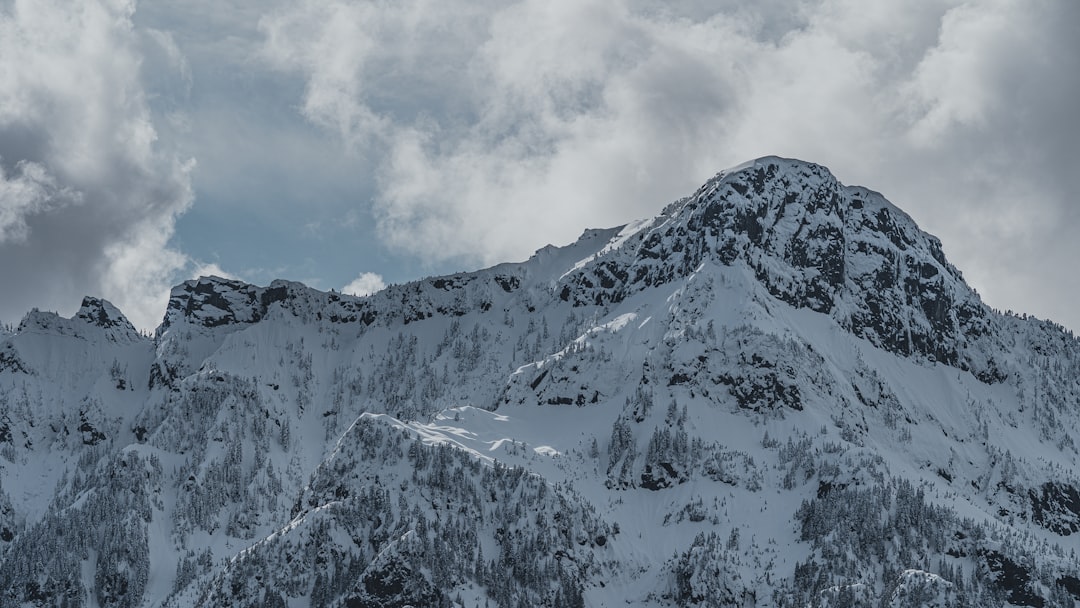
(364, 285)
(500, 127)
(211, 269)
(88, 196)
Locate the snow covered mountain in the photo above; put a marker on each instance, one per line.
(778, 392)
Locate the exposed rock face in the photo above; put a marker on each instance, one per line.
(214, 301)
(813, 243)
(1056, 507)
(101, 313)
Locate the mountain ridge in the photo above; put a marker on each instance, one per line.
(221, 295)
(776, 392)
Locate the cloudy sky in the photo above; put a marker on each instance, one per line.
(352, 143)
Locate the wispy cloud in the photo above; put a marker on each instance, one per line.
(28, 192)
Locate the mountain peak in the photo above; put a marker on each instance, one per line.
(772, 162)
(101, 313)
(211, 301)
(811, 242)
(95, 313)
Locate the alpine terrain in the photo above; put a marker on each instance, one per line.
(777, 392)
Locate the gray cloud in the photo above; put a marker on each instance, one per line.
(504, 126)
(88, 197)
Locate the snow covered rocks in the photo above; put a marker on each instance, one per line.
(777, 392)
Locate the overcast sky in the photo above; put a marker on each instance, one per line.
(349, 143)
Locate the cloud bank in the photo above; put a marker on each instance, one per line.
(88, 198)
(496, 127)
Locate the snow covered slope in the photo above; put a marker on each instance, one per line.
(778, 392)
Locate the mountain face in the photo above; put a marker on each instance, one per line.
(777, 392)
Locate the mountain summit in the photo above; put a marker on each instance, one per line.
(813, 243)
(777, 392)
